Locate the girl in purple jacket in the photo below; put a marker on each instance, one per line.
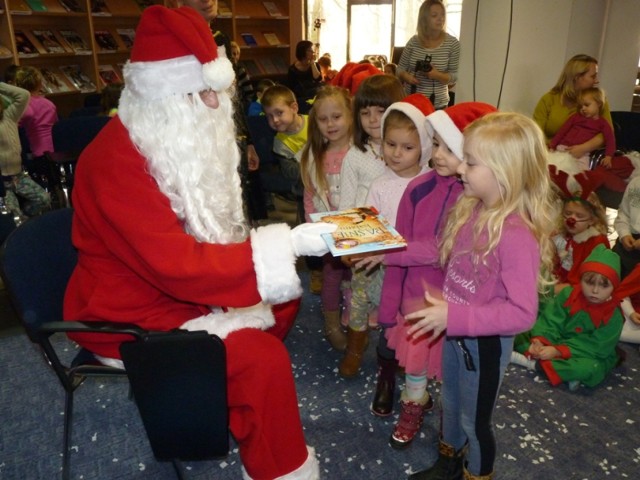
(495, 242)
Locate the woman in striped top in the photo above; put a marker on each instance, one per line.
(429, 62)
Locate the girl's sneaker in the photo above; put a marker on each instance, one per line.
(410, 421)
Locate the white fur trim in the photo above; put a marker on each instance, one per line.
(274, 261)
(218, 74)
(309, 470)
(565, 162)
(418, 118)
(445, 127)
(156, 80)
(222, 323)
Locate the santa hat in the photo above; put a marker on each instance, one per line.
(415, 106)
(451, 122)
(603, 261)
(353, 74)
(174, 53)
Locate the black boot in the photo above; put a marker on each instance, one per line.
(447, 467)
(382, 404)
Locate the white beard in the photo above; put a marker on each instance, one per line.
(192, 154)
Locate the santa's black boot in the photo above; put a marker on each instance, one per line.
(382, 404)
(449, 465)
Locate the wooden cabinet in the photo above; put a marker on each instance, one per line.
(266, 31)
(42, 33)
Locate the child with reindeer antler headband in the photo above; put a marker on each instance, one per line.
(583, 226)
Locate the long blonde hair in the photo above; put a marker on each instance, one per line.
(311, 160)
(513, 147)
(577, 66)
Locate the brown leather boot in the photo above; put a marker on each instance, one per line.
(382, 404)
(333, 330)
(357, 342)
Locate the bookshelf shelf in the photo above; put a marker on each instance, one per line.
(235, 17)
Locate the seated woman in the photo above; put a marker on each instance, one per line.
(304, 77)
(558, 104)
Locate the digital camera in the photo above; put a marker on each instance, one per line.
(424, 65)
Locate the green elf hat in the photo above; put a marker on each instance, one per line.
(605, 262)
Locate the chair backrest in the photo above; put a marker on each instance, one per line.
(75, 133)
(37, 260)
(626, 126)
(262, 137)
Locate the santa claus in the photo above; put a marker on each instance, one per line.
(162, 241)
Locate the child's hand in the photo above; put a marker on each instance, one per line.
(369, 263)
(430, 319)
(606, 161)
(628, 243)
(636, 244)
(548, 353)
(347, 260)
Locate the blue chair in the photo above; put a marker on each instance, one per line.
(178, 379)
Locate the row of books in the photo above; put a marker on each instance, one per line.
(37, 42)
(225, 12)
(98, 7)
(71, 78)
(275, 65)
(270, 38)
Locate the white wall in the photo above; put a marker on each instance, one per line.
(544, 35)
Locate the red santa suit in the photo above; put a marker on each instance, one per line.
(137, 264)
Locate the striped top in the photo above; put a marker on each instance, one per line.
(445, 58)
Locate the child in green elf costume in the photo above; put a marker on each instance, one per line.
(575, 336)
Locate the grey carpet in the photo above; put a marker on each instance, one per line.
(542, 432)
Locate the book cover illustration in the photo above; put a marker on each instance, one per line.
(360, 230)
(271, 38)
(78, 78)
(249, 39)
(5, 52)
(223, 9)
(71, 5)
(99, 8)
(19, 7)
(272, 9)
(108, 74)
(48, 41)
(37, 5)
(54, 82)
(127, 35)
(105, 41)
(24, 45)
(75, 42)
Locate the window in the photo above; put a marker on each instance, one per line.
(371, 26)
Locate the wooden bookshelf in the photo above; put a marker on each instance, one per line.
(240, 16)
(253, 17)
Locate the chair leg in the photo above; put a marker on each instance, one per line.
(177, 465)
(68, 414)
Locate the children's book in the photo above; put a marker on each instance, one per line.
(78, 78)
(99, 8)
(55, 82)
(267, 65)
(271, 38)
(249, 39)
(108, 74)
(24, 45)
(71, 5)
(223, 9)
(272, 8)
(251, 67)
(75, 41)
(48, 40)
(281, 64)
(37, 5)
(5, 52)
(105, 41)
(127, 36)
(19, 7)
(360, 230)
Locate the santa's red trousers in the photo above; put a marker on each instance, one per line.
(614, 177)
(263, 405)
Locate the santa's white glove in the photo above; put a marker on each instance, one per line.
(307, 241)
